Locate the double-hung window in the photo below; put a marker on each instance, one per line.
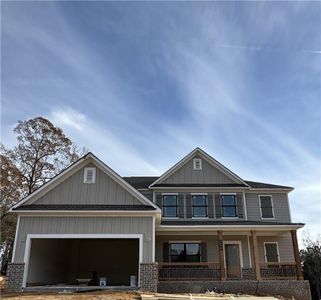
(185, 252)
(271, 252)
(199, 203)
(266, 207)
(228, 206)
(170, 206)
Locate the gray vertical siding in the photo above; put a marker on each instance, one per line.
(73, 190)
(85, 225)
(208, 174)
(280, 204)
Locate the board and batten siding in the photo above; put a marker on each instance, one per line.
(280, 205)
(209, 174)
(85, 225)
(73, 190)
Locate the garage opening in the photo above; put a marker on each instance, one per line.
(83, 261)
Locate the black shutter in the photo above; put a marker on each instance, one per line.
(210, 206)
(166, 252)
(239, 205)
(203, 252)
(180, 206)
(218, 206)
(188, 206)
(159, 200)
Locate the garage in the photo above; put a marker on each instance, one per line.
(57, 261)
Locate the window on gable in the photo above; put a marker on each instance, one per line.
(271, 252)
(228, 206)
(199, 206)
(266, 207)
(90, 175)
(197, 164)
(185, 252)
(169, 205)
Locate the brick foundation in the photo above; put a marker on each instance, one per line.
(299, 289)
(15, 276)
(148, 277)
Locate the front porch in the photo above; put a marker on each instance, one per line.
(226, 256)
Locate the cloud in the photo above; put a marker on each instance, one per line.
(68, 117)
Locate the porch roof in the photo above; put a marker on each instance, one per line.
(224, 222)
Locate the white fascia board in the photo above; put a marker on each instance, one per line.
(227, 227)
(74, 213)
(208, 158)
(238, 189)
(270, 190)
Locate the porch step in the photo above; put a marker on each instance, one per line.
(202, 297)
(77, 288)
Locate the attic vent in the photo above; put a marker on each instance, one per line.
(90, 175)
(197, 164)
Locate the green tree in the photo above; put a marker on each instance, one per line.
(42, 151)
(311, 259)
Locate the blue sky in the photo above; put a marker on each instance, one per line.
(143, 83)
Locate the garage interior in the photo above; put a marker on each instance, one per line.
(64, 261)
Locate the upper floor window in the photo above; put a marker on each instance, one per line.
(169, 205)
(197, 164)
(185, 252)
(199, 206)
(90, 175)
(228, 206)
(266, 207)
(271, 252)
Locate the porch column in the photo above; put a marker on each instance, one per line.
(255, 252)
(296, 255)
(221, 255)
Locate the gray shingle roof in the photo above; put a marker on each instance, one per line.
(83, 207)
(143, 182)
(225, 222)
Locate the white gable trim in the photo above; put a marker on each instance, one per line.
(74, 168)
(208, 158)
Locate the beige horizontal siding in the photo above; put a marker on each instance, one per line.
(85, 225)
(280, 204)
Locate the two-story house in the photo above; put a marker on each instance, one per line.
(198, 226)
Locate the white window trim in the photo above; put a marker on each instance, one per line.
(199, 194)
(78, 236)
(195, 160)
(277, 249)
(271, 205)
(228, 218)
(168, 217)
(93, 169)
(240, 249)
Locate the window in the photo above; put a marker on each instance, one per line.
(266, 207)
(197, 164)
(271, 252)
(185, 252)
(199, 206)
(90, 175)
(228, 206)
(169, 205)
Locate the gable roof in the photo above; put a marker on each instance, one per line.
(209, 159)
(74, 167)
(144, 182)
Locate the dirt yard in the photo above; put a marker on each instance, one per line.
(103, 295)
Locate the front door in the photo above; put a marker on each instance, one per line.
(232, 259)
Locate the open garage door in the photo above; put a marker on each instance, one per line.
(63, 261)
